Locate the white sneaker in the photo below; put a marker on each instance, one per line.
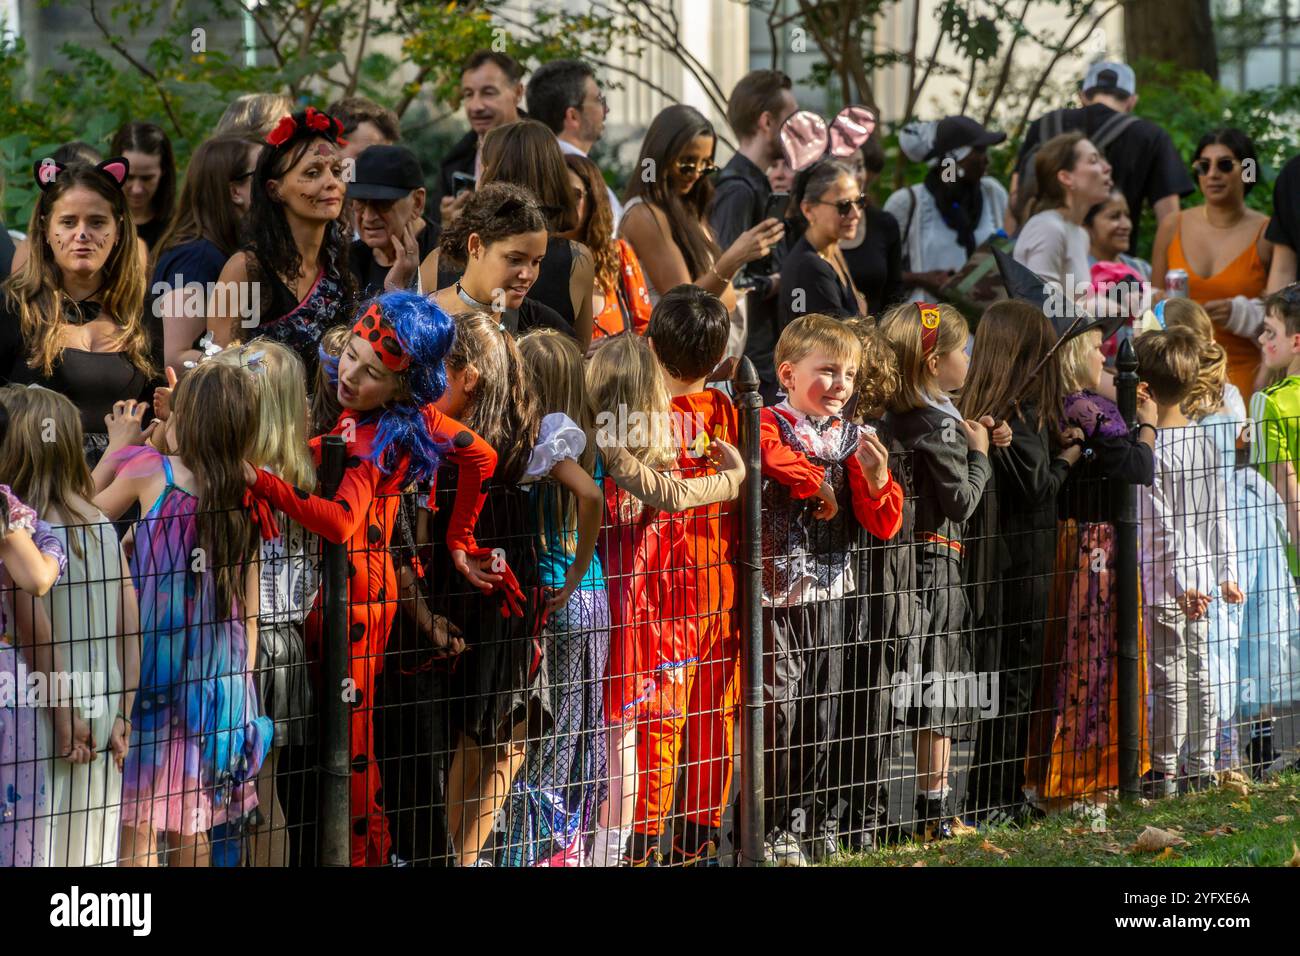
(783, 849)
(395, 860)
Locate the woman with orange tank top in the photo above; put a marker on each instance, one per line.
(1222, 248)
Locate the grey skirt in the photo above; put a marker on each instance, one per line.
(283, 683)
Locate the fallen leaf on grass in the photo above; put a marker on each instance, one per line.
(990, 848)
(1240, 789)
(1242, 805)
(1282, 818)
(1233, 776)
(960, 829)
(1166, 854)
(1292, 798)
(919, 863)
(1113, 848)
(1222, 829)
(1295, 855)
(1154, 839)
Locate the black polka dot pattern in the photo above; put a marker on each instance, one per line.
(373, 534)
(359, 763)
(302, 495)
(357, 631)
(463, 439)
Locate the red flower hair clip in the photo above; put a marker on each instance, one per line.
(283, 131)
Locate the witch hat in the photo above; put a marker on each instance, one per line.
(1026, 285)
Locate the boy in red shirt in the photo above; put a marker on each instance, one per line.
(691, 643)
(811, 452)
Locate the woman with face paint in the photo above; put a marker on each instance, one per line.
(291, 281)
(70, 318)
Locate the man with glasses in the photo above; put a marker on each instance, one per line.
(394, 235)
(1144, 164)
(759, 104)
(565, 96)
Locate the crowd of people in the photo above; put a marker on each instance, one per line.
(533, 382)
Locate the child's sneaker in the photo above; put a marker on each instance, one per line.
(695, 845)
(783, 849)
(933, 820)
(643, 850)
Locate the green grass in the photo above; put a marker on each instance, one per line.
(1221, 827)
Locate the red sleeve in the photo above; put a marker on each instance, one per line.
(780, 461)
(334, 519)
(476, 461)
(882, 516)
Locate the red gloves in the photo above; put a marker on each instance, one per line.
(512, 595)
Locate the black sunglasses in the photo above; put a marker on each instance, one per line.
(688, 168)
(845, 206)
(1223, 164)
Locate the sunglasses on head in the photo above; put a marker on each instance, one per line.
(1223, 164)
(845, 206)
(688, 168)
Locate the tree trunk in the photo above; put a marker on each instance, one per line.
(1176, 31)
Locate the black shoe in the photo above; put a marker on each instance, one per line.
(821, 848)
(1259, 750)
(933, 819)
(695, 845)
(643, 850)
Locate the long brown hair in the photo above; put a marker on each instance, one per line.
(596, 231)
(150, 139)
(36, 291)
(502, 408)
(526, 153)
(1012, 338)
(42, 457)
(205, 210)
(214, 447)
(664, 141)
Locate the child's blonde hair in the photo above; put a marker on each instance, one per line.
(325, 407)
(902, 327)
(42, 457)
(623, 377)
(280, 382)
(878, 380)
(817, 333)
(553, 362)
(1207, 394)
(1074, 360)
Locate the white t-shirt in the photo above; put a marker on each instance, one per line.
(1056, 249)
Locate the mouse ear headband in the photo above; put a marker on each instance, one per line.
(47, 170)
(806, 137)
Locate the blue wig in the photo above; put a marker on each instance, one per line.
(426, 333)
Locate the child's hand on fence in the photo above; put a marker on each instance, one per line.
(827, 507)
(80, 748)
(162, 397)
(124, 425)
(1194, 604)
(1231, 593)
(873, 456)
(999, 432)
(445, 636)
(119, 742)
(726, 457)
(977, 436)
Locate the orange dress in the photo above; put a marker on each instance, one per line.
(1245, 275)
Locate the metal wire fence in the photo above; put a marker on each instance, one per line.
(1081, 643)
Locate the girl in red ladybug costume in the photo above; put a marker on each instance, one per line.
(389, 377)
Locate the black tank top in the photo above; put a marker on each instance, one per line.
(552, 285)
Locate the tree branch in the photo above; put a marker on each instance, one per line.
(354, 75)
(144, 69)
(1061, 50)
(1005, 73)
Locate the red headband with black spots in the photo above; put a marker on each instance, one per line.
(374, 328)
(928, 316)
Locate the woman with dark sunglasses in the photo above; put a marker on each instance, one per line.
(203, 234)
(665, 221)
(1221, 246)
(815, 277)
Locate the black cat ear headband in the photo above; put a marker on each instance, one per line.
(47, 171)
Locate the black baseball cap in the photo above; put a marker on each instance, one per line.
(385, 172)
(954, 132)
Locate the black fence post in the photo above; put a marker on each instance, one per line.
(751, 619)
(333, 847)
(1124, 510)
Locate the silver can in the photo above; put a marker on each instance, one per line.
(1176, 283)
